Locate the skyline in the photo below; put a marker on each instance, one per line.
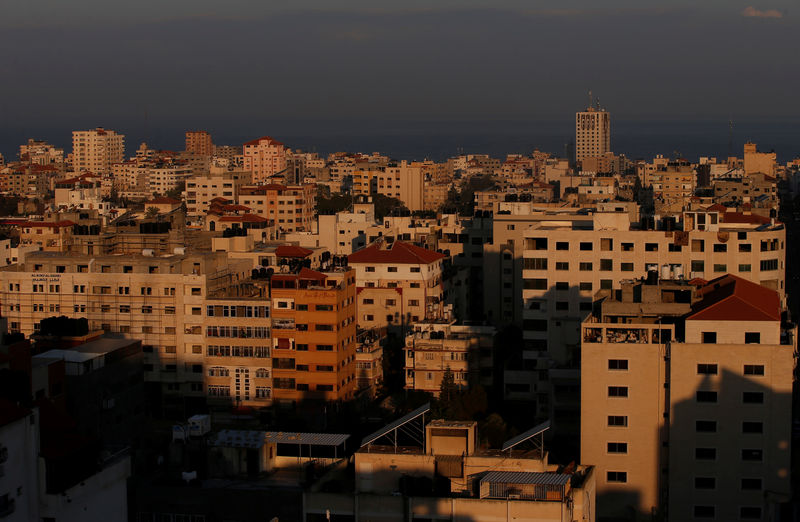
(417, 140)
(202, 69)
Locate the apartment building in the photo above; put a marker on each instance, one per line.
(158, 300)
(405, 182)
(686, 400)
(41, 153)
(433, 348)
(314, 335)
(202, 190)
(566, 258)
(342, 233)
(755, 161)
(265, 158)
(397, 284)
(290, 207)
(592, 133)
(199, 142)
(96, 150)
(237, 345)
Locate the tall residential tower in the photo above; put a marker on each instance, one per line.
(592, 133)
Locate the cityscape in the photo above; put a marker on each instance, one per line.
(268, 330)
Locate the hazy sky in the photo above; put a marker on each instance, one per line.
(204, 63)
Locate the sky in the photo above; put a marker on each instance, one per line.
(306, 68)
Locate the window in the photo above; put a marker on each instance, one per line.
(618, 364)
(324, 387)
(745, 247)
(562, 245)
(626, 267)
(586, 245)
(752, 427)
(706, 396)
(709, 337)
(323, 327)
(706, 369)
(698, 266)
(754, 369)
(618, 447)
(124, 309)
(562, 285)
(391, 269)
(562, 265)
(749, 484)
(720, 247)
(617, 391)
(753, 397)
(698, 245)
(705, 453)
(720, 268)
(704, 511)
(324, 348)
(606, 265)
(535, 284)
(324, 308)
(147, 309)
(745, 268)
(535, 263)
(627, 247)
(606, 284)
(618, 420)
(300, 307)
(369, 268)
(536, 243)
(750, 512)
(752, 337)
(415, 269)
(753, 454)
(651, 247)
(769, 264)
(705, 426)
(704, 483)
(585, 286)
(585, 267)
(616, 476)
(606, 244)
(672, 247)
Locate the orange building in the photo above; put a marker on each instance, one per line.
(199, 142)
(314, 335)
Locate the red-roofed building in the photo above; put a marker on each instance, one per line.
(265, 158)
(694, 380)
(397, 284)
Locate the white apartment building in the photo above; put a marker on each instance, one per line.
(96, 150)
(219, 183)
(158, 300)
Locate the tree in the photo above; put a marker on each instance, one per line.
(177, 192)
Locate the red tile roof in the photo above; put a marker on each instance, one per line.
(739, 217)
(292, 251)
(400, 253)
(263, 138)
(731, 298)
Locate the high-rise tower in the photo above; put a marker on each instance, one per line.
(592, 132)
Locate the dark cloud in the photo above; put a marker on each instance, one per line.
(527, 63)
